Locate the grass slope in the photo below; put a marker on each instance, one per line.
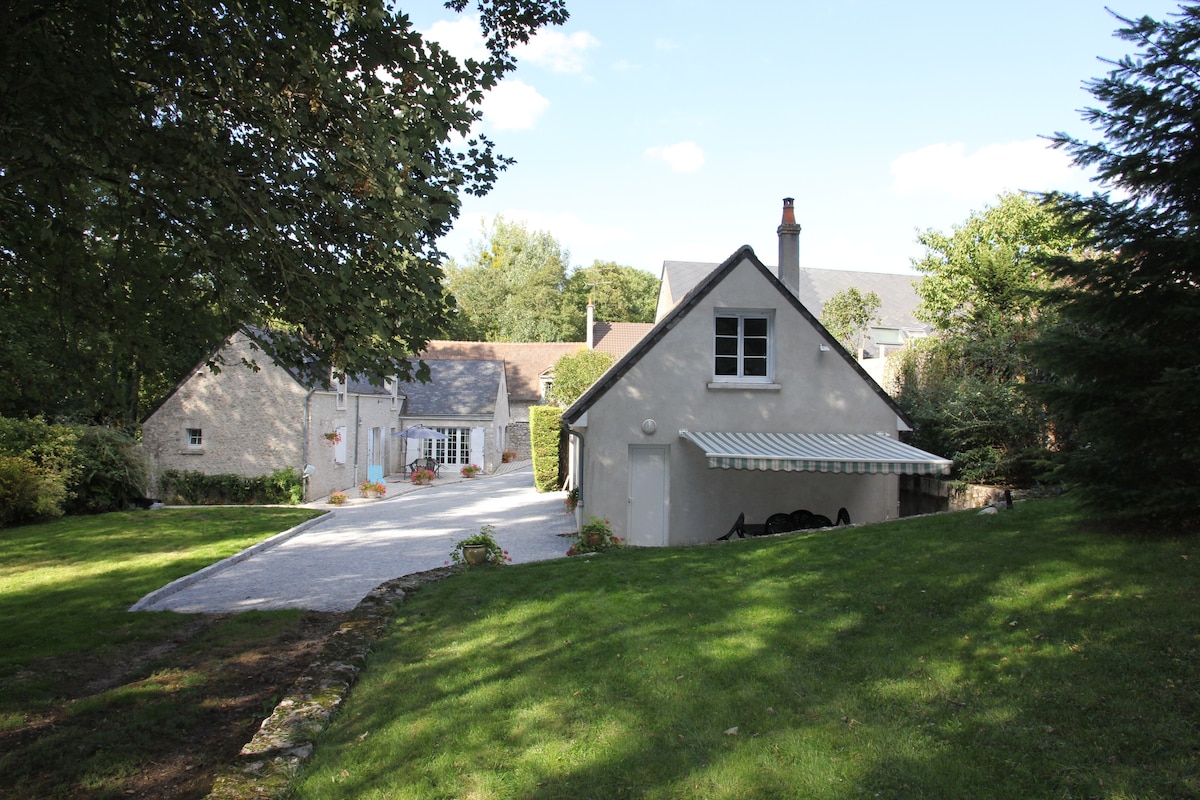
(86, 704)
(1018, 655)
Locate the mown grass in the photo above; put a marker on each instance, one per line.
(1020, 655)
(83, 703)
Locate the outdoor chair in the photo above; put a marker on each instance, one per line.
(780, 523)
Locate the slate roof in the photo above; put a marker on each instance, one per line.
(457, 388)
(898, 299)
(618, 338)
(698, 292)
(524, 362)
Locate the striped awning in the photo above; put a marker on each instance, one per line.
(855, 453)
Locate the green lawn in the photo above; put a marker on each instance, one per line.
(85, 703)
(1022, 655)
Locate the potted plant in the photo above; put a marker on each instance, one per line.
(595, 537)
(508, 456)
(337, 498)
(480, 549)
(372, 489)
(422, 476)
(470, 470)
(571, 501)
(332, 438)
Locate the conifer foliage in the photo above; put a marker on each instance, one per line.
(1124, 365)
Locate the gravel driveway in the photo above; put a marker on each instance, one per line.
(332, 563)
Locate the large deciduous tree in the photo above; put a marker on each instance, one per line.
(517, 286)
(169, 170)
(510, 289)
(963, 385)
(1126, 360)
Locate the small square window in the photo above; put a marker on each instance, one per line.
(195, 437)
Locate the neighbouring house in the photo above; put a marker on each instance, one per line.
(466, 401)
(738, 401)
(528, 368)
(254, 421)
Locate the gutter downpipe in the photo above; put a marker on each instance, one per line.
(304, 444)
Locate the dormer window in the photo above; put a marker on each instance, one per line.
(339, 386)
(742, 346)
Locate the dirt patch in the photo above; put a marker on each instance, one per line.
(221, 706)
(158, 719)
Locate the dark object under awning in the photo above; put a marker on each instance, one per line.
(853, 453)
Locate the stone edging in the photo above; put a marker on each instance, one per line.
(267, 765)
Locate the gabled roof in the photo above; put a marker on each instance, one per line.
(897, 297)
(456, 388)
(618, 338)
(686, 304)
(523, 361)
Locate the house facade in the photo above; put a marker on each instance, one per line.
(738, 401)
(466, 403)
(254, 421)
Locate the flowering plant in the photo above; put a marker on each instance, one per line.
(508, 455)
(494, 555)
(332, 438)
(470, 470)
(366, 488)
(420, 475)
(595, 537)
(337, 498)
(571, 501)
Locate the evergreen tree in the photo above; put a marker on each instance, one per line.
(1125, 362)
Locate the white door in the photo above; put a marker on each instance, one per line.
(477, 447)
(648, 506)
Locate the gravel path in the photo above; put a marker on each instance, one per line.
(332, 563)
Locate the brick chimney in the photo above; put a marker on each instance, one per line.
(789, 247)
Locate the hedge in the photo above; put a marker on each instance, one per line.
(197, 489)
(545, 435)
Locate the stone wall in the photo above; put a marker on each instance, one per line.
(921, 494)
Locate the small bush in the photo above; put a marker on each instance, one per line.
(20, 491)
(113, 471)
(595, 537)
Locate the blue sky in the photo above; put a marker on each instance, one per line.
(663, 130)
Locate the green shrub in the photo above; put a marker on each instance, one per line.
(20, 490)
(37, 484)
(196, 488)
(545, 434)
(595, 537)
(113, 471)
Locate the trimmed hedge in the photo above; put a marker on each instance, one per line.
(545, 437)
(185, 487)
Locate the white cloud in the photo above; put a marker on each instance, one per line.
(557, 51)
(680, 157)
(947, 169)
(513, 105)
(462, 37)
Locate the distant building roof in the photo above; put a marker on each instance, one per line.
(524, 362)
(457, 387)
(618, 338)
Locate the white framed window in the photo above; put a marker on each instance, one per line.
(393, 388)
(193, 440)
(339, 386)
(454, 449)
(743, 346)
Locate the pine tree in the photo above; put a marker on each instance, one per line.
(1124, 365)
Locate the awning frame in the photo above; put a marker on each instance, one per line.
(838, 453)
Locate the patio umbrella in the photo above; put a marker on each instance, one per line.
(420, 432)
(417, 432)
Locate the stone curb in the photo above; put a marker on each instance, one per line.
(268, 764)
(187, 580)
